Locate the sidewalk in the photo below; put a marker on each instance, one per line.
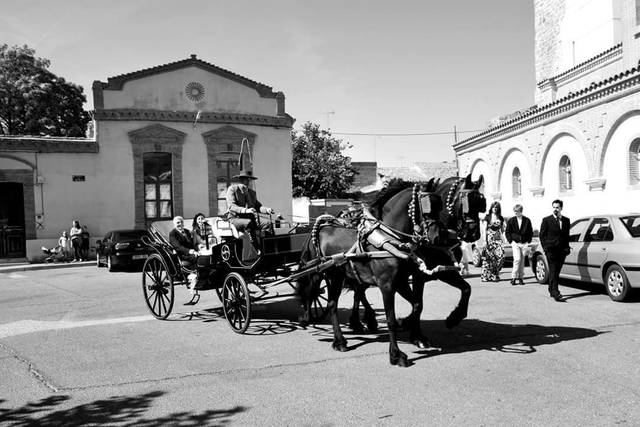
(9, 268)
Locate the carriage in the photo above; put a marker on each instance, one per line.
(239, 276)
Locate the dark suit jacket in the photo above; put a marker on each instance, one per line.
(181, 243)
(552, 238)
(522, 234)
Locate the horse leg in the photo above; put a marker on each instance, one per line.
(307, 287)
(354, 320)
(369, 314)
(396, 356)
(334, 286)
(412, 322)
(454, 279)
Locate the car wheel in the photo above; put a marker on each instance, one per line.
(110, 264)
(477, 257)
(617, 283)
(540, 269)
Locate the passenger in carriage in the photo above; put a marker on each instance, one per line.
(182, 242)
(202, 233)
(243, 207)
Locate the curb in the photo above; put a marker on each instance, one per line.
(47, 266)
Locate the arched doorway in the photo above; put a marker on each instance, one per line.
(12, 230)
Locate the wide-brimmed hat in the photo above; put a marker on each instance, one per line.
(245, 173)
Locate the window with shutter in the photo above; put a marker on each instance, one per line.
(564, 174)
(634, 162)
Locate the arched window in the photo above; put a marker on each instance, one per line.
(158, 182)
(565, 179)
(516, 182)
(634, 162)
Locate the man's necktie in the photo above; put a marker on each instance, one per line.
(559, 222)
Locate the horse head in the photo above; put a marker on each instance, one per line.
(463, 203)
(414, 210)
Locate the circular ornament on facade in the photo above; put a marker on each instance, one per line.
(194, 91)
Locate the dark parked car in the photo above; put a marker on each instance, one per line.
(605, 249)
(121, 248)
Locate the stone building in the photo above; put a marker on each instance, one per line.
(167, 142)
(581, 141)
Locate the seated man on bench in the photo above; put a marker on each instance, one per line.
(243, 207)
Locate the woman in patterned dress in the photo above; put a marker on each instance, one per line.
(493, 253)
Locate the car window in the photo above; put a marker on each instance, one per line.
(632, 224)
(577, 230)
(599, 231)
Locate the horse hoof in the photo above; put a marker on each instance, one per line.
(400, 360)
(356, 327)
(303, 322)
(341, 347)
(422, 343)
(454, 320)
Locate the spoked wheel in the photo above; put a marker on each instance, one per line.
(157, 287)
(319, 304)
(236, 302)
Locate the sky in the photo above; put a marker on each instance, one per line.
(376, 73)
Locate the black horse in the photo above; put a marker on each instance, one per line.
(389, 273)
(462, 204)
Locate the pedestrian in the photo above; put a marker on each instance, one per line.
(64, 245)
(554, 238)
(519, 233)
(76, 240)
(84, 244)
(493, 253)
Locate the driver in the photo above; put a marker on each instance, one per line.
(243, 206)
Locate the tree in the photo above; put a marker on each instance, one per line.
(320, 170)
(34, 101)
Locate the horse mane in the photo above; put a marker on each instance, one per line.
(391, 188)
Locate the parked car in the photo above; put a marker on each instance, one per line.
(605, 249)
(121, 248)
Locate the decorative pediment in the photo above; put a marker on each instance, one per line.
(157, 133)
(226, 133)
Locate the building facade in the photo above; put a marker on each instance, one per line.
(581, 141)
(167, 142)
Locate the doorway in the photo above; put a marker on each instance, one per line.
(12, 232)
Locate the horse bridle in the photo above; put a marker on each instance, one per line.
(422, 205)
(463, 195)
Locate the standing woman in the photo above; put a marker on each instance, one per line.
(201, 232)
(493, 254)
(76, 240)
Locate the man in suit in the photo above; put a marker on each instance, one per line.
(519, 233)
(554, 238)
(243, 206)
(181, 240)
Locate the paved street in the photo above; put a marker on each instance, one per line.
(78, 345)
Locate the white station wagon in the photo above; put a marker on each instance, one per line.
(605, 249)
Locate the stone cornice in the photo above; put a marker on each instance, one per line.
(48, 144)
(608, 55)
(609, 88)
(190, 117)
(537, 191)
(596, 184)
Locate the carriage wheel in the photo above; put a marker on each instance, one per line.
(236, 302)
(157, 287)
(319, 304)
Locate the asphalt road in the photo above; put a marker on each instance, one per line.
(77, 346)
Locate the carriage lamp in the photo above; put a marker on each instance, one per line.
(122, 245)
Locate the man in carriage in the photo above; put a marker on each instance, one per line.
(243, 207)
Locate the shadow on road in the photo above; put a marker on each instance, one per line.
(117, 410)
(474, 335)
